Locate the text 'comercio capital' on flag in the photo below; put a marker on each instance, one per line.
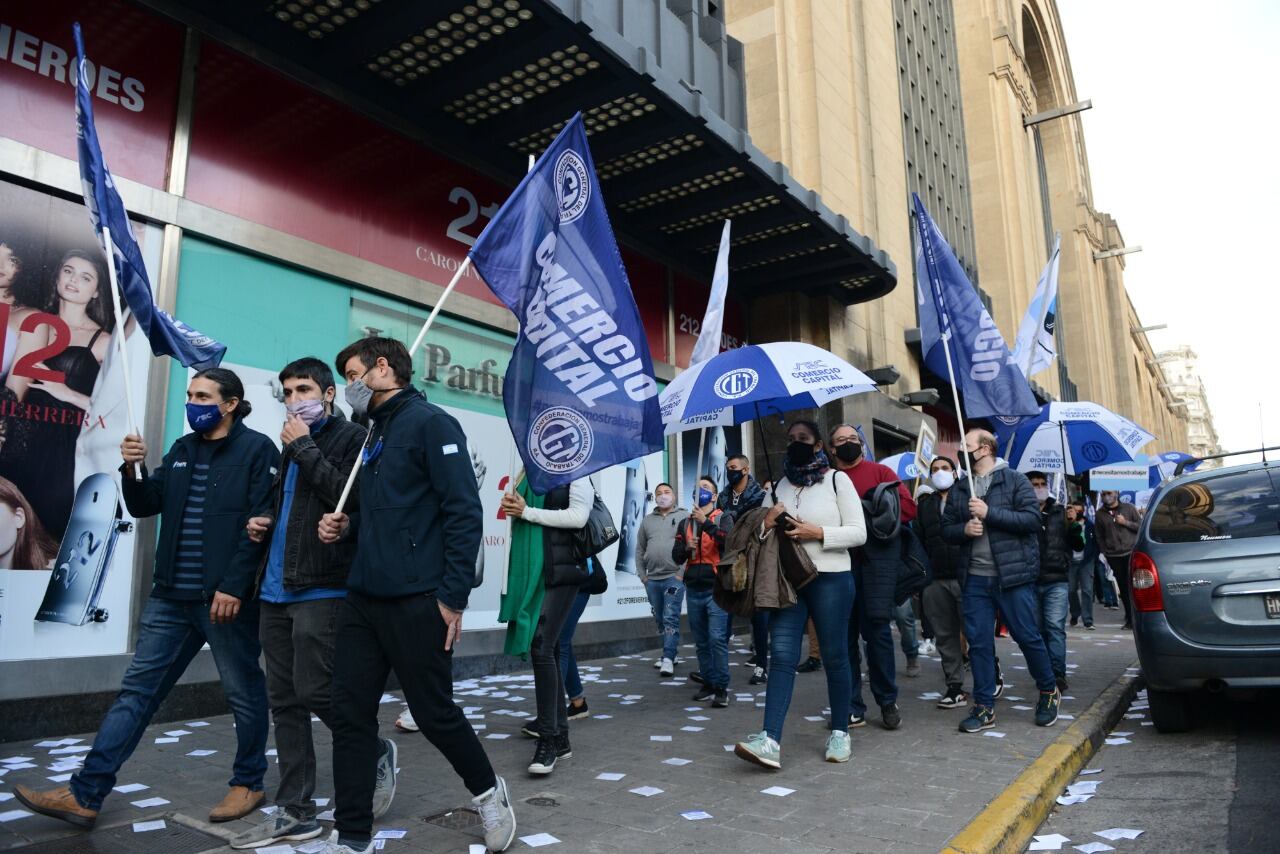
(580, 394)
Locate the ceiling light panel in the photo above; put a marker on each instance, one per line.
(650, 155)
(440, 44)
(520, 85)
(683, 190)
(740, 209)
(319, 18)
(610, 114)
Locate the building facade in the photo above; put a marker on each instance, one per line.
(1183, 373)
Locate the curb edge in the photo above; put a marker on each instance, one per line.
(1008, 822)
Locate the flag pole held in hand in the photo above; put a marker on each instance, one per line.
(120, 342)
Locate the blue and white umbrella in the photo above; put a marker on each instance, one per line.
(1075, 437)
(1163, 466)
(760, 379)
(903, 465)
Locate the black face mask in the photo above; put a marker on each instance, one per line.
(849, 452)
(800, 453)
(735, 477)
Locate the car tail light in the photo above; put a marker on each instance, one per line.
(1144, 580)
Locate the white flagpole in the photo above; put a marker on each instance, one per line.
(119, 338)
(417, 342)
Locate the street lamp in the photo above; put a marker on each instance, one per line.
(1056, 113)
(1116, 252)
(1139, 329)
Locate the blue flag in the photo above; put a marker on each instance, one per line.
(992, 386)
(580, 393)
(168, 335)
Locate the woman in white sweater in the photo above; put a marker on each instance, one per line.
(823, 515)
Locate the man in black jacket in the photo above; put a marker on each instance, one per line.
(206, 488)
(1051, 586)
(993, 517)
(942, 598)
(741, 495)
(417, 533)
(301, 584)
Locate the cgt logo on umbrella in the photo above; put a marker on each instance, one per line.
(737, 383)
(560, 440)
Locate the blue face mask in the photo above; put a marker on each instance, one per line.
(704, 497)
(203, 417)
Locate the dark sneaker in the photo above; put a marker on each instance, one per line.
(706, 692)
(544, 758)
(913, 666)
(955, 698)
(384, 787)
(721, 699)
(980, 718)
(696, 676)
(999, 687)
(578, 711)
(563, 750)
(753, 660)
(809, 665)
(1089, 626)
(758, 677)
(1127, 625)
(1047, 708)
(528, 731)
(279, 827)
(856, 721)
(496, 815)
(890, 717)
(1075, 621)
(1062, 683)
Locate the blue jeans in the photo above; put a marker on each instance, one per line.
(665, 598)
(881, 666)
(1052, 620)
(171, 633)
(760, 638)
(1018, 606)
(828, 599)
(569, 661)
(1080, 590)
(710, 626)
(905, 616)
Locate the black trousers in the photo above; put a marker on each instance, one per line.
(376, 636)
(1120, 569)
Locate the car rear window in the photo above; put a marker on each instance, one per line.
(1229, 507)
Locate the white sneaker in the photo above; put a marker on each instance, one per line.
(497, 816)
(666, 667)
(405, 722)
(657, 663)
(331, 846)
(927, 647)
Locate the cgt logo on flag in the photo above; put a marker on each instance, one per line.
(737, 383)
(560, 440)
(573, 186)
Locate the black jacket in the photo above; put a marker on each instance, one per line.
(239, 486)
(751, 498)
(324, 460)
(946, 558)
(1012, 525)
(1055, 553)
(420, 520)
(559, 560)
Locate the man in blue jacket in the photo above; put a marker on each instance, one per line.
(995, 518)
(209, 484)
(417, 533)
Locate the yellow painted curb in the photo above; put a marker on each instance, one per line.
(1008, 822)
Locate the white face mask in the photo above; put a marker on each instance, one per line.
(1042, 493)
(942, 480)
(664, 501)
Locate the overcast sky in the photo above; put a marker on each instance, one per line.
(1182, 147)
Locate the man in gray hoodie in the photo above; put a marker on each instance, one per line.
(658, 571)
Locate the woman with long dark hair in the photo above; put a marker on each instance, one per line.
(24, 543)
(39, 450)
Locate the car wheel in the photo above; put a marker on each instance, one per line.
(1170, 712)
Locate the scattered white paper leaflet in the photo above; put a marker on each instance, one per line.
(166, 740)
(699, 718)
(696, 815)
(5, 796)
(498, 736)
(659, 738)
(388, 698)
(472, 849)
(62, 751)
(391, 834)
(1086, 772)
(276, 849)
(1071, 800)
(12, 815)
(777, 791)
(1048, 842)
(610, 776)
(676, 760)
(178, 733)
(1093, 847)
(14, 760)
(197, 723)
(602, 717)
(1023, 708)
(202, 753)
(130, 788)
(1119, 833)
(993, 734)
(61, 778)
(814, 718)
(144, 826)
(538, 840)
(645, 791)
(691, 729)
(327, 815)
(1118, 741)
(148, 803)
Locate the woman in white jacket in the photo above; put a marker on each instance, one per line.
(823, 515)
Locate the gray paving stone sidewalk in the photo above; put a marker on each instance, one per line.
(905, 791)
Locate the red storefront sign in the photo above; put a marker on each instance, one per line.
(690, 305)
(134, 58)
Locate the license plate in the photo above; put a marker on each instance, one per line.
(1272, 601)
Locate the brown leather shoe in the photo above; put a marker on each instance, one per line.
(238, 803)
(58, 803)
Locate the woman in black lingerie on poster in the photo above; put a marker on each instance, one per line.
(39, 446)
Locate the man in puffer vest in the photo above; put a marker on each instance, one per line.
(1051, 586)
(995, 518)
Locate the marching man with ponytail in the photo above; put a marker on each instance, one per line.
(205, 490)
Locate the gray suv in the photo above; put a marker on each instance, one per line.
(1206, 588)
